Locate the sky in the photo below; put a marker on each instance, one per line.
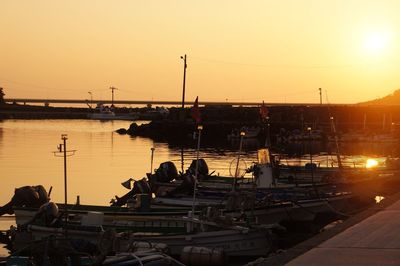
(277, 51)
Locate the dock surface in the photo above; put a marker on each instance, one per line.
(373, 241)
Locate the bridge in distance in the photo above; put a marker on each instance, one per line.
(153, 102)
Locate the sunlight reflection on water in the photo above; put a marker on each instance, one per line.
(378, 199)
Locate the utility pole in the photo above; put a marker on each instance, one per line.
(62, 151)
(184, 80)
(320, 96)
(112, 95)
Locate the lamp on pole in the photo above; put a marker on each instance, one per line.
(184, 80)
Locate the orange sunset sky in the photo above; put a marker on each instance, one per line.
(271, 50)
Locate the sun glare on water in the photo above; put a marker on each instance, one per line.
(371, 163)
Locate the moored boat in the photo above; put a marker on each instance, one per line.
(234, 240)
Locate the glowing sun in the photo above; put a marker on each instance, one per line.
(376, 42)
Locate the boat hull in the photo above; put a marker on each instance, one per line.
(240, 242)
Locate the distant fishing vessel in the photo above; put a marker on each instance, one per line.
(105, 113)
(248, 133)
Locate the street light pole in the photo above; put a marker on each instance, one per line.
(184, 80)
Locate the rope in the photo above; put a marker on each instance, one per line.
(301, 206)
(136, 257)
(336, 211)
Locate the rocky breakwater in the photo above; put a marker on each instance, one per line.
(217, 122)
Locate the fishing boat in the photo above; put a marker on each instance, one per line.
(106, 113)
(102, 113)
(365, 137)
(234, 240)
(57, 250)
(326, 169)
(245, 132)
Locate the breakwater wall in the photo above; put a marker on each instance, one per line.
(220, 121)
(225, 118)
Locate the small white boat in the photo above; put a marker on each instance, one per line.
(102, 116)
(105, 113)
(102, 113)
(249, 133)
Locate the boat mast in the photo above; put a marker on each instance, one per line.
(334, 134)
(336, 143)
(242, 134)
(151, 160)
(199, 128)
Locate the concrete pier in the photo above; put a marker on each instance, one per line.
(374, 241)
(371, 237)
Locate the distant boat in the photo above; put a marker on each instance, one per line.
(365, 137)
(297, 135)
(249, 133)
(105, 113)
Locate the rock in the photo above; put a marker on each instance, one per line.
(121, 131)
(132, 129)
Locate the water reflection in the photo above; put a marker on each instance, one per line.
(105, 159)
(378, 199)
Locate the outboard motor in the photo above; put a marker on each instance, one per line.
(48, 213)
(186, 187)
(166, 172)
(43, 195)
(202, 168)
(139, 187)
(29, 196)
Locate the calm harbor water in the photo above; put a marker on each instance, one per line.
(103, 158)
